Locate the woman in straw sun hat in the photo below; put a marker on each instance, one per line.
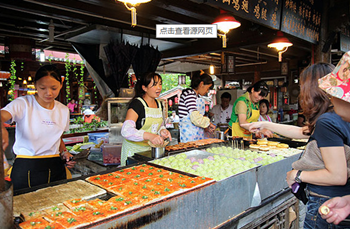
(337, 85)
(323, 166)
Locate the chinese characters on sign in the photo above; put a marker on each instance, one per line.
(186, 31)
(266, 12)
(302, 18)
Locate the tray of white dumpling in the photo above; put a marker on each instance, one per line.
(245, 155)
(285, 152)
(203, 163)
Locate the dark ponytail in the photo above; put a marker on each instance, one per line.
(197, 78)
(260, 86)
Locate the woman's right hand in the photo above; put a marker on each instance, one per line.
(155, 139)
(266, 133)
(253, 127)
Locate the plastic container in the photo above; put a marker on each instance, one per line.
(111, 154)
(94, 136)
(95, 155)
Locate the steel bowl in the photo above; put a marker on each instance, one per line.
(221, 135)
(158, 152)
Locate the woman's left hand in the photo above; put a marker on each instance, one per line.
(165, 134)
(291, 177)
(69, 162)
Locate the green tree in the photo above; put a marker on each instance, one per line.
(12, 80)
(171, 80)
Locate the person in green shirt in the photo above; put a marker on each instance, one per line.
(246, 110)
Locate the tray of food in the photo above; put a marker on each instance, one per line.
(267, 145)
(147, 183)
(292, 143)
(203, 163)
(192, 144)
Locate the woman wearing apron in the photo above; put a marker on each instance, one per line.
(144, 120)
(246, 110)
(40, 123)
(192, 108)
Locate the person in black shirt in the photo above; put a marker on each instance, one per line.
(144, 121)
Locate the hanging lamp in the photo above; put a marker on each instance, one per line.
(130, 5)
(281, 44)
(211, 69)
(225, 23)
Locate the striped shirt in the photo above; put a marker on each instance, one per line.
(188, 101)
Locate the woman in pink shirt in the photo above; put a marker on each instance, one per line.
(71, 105)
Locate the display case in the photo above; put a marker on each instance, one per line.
(117, 108)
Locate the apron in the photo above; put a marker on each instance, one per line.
(188, 131)
(152, 124)
(29, 171)
(241, 132)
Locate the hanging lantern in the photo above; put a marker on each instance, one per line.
(281, 44)
(133, 4)
(225, 23)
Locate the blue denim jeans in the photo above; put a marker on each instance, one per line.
(313, 219)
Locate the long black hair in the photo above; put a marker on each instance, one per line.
(145, 80)
(197, 78)
(313, 100)
(48, 70)
(260, 86)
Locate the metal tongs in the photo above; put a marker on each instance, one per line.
(83, 154)
(237, 142)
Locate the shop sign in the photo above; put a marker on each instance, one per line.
(302, 18)
(265, 12)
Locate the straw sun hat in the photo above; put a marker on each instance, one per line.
(337, 82)
(337, 85)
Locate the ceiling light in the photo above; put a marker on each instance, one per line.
(24, 81)
(281, 44)
(29, 78)
(211, 69)
(225, 23)
(133, 4)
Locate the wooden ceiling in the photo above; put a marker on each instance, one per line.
(99, 21)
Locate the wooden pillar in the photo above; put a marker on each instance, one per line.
(325, 39)
(257, 74)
